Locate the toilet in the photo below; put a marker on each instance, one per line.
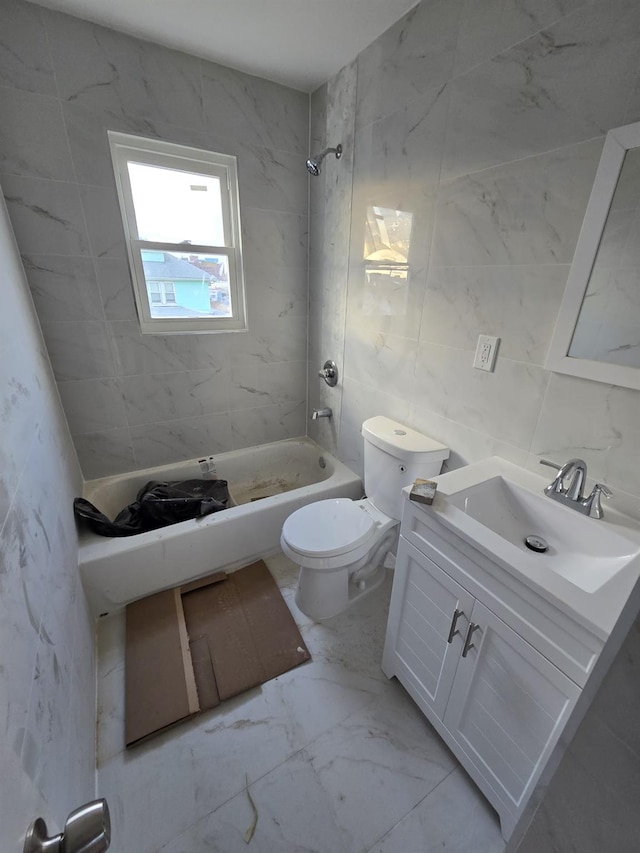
(340, 544)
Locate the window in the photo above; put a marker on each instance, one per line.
(161, 293)
(181, 217)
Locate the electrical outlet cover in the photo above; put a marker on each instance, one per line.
(486, 352)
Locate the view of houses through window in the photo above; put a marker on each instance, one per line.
(186, 284)
(181, 217)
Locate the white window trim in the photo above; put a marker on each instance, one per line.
(126, 148)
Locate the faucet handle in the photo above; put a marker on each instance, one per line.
(329, 372)
(556, 485)
(592, 503)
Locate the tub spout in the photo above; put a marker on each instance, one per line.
(321, 413)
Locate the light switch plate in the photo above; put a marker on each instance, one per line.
(486, 353)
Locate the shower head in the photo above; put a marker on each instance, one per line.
(313, 164)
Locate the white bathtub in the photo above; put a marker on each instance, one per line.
(284, 476)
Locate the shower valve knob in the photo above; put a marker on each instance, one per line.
(329, 373)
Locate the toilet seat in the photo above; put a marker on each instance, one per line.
(328, 528)
(359, 525)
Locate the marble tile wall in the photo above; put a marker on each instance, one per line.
(47, 672)
(485, 121)
(333, 114)
(134, 401)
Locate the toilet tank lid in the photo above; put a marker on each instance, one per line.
(401, 441)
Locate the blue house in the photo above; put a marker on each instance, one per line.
(173, 284)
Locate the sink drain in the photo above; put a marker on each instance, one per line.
(536, 543)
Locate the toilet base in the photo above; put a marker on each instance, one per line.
(323, 597)
(330, 583)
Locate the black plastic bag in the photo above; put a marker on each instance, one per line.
(157, 505)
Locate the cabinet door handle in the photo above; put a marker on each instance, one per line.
(453, 630)
(468, 645)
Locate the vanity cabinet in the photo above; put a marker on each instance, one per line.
(458, 642)
(426, 621)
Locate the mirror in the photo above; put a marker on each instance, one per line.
(597, 334)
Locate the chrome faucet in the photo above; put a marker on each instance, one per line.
(321, 413)
(572, 495)
(557, 489)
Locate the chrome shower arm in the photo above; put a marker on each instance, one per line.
(314, 163)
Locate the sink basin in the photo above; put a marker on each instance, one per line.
(591, 566)
(580, 549)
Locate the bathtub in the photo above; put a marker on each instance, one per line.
(266, 484)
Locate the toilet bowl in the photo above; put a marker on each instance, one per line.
(340, 545)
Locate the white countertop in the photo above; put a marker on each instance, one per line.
(597, 610)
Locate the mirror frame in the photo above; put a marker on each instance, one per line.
(618, 141)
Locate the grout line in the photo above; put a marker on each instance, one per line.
(90, 255)
(534, 156)
(308, 318)
(238, 793)
(549, 25)
(543, 402)
(552, 264)
(412, 809)
(434, 224)
(486, 61)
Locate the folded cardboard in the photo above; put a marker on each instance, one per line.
(190, 648)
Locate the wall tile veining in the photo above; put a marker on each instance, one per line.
(333, 110)
(134, 401)
(485, 120)
(47, 672)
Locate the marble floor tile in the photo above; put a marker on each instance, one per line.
(337, 757)
(354, 640)
(378, 764)
(284, 571)
(454, 818)
(182, 775)
(294, 813)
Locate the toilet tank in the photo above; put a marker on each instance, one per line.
(394, 455)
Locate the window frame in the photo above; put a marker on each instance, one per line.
(127, 148)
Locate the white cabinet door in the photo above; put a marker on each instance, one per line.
(507, 708)
(428, 619)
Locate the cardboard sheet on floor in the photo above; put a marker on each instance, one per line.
(189, 648)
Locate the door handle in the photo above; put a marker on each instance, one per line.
(468, 645)
(453, 630)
